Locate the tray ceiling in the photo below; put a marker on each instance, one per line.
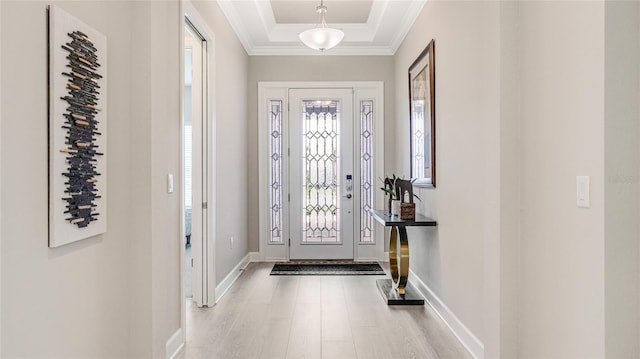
(371, 27)
(304, 12)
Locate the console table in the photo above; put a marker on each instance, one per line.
(396, 290)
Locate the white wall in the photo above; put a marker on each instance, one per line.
(231, 121)
(578, 115)
(311, 68)
(155, 300)
(70, 301)
(450, 259)
(562, 112)
(0, 189)
(502, 295)
(166, 236)
(528, 96)
(621, 168)
(140, 284)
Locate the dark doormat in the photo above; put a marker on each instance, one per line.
(326, 268)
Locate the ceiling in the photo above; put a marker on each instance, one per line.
(371, 27)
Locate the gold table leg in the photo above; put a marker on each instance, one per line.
(399, 258)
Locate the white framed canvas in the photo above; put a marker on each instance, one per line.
(77, 129)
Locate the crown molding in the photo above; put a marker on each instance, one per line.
(266, 15)
(229, 11)
(388, 23)
(377, 13)
(336, 51)
(410, 17)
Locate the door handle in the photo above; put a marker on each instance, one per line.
(348, 196)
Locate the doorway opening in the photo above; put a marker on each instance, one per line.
(195, 159)
(321, 148)
(197, 92)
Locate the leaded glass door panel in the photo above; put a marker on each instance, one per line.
(321, 173)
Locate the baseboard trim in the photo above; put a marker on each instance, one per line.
(255, 257)
(175, 344)
(464, 335)
(233, 275)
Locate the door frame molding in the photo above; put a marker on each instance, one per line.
(188, 11)
(279, 90)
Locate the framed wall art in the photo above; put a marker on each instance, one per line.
(77, 129)
(422, 117)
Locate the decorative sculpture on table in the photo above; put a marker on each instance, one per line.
(400, 192)
(77, 129)
(405, 193)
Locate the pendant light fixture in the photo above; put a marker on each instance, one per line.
(321, 37)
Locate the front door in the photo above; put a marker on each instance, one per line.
(321, 173)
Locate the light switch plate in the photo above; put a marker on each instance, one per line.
(169, 183)
(582, 186)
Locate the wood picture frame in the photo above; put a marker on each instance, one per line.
(422, 118)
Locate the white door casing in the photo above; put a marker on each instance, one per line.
(191, 15)
(205, 260)
(273, 117)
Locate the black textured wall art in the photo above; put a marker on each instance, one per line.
(82, 129)
(77, 129)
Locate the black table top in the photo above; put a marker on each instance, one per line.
(386, 219)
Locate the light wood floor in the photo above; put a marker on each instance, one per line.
(265, 316)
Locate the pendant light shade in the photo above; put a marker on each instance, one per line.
(322, 37)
